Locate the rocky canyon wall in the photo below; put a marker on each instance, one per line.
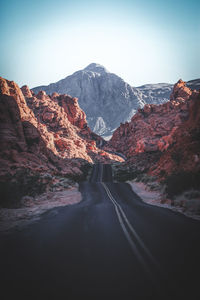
(43, 139)
(164, 140)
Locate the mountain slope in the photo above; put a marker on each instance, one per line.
(106, 99)
(156, 93)
(194, 84)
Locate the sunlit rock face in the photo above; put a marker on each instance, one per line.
(41, 134)
(66, 121)
(26, 91)
(153, 125)
(171, 129)
(180, 91)
(55, 123)
(183, 152)
(105, 98)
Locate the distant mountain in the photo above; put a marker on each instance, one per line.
(156, 93)
(194, 84)
(106, 98)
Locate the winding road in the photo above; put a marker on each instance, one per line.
(111, 245)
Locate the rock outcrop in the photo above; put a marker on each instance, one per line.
(152, 127)
(64, 126)
(183, 150)
(41, 138)
(105, 98)
(163, 140)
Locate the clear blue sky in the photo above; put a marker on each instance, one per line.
(143, 41)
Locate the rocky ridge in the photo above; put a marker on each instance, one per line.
(46, 143)
(153, 125)
(193, 84)
(106, 98)
(183, 148)
(163, 141)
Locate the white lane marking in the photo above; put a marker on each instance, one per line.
(140, 242)
(132, 244)
(124, 222)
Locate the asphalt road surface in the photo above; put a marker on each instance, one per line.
(109, 246)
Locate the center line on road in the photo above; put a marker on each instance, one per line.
(124, 223)
(142, 253)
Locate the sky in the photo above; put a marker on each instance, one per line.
(142, 41)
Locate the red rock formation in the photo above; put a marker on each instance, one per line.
(151, 129)
(40, 138)
(180, 91)
(65, 128)
(75, 115)
(26, 91)
(164, 139)
(13, 117)
(183, 154)
(41, 134)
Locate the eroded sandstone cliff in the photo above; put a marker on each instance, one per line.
(44, 141)
(164, 140)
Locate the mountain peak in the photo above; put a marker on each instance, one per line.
(96, 68)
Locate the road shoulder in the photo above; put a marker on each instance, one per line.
(33, 208)
(158, 199)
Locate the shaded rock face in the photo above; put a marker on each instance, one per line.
(42, 135)
(169, 133)
(14, 115)
(105, 98)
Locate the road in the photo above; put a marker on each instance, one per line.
(109, 246)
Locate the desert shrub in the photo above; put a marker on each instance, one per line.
(147, 178)
(85, 168)
(176, 156)
(24, 182)
(123, 175)
(192, 194)
(180, 182)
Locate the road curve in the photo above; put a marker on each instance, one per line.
(109, 246)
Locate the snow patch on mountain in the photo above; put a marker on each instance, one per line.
(100, 126)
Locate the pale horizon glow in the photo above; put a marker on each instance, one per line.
(140, 41)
